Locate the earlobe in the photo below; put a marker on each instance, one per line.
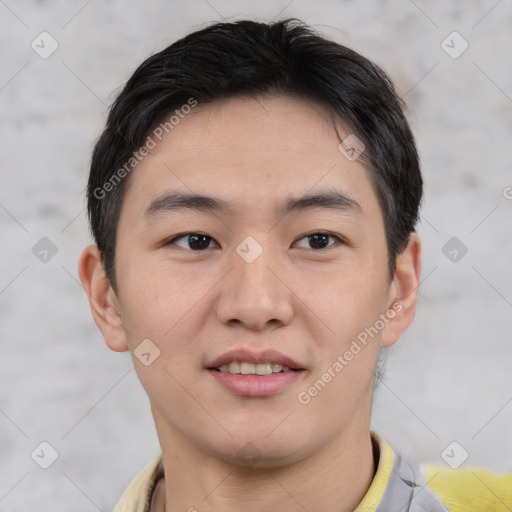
(406, 283)
(102, 299)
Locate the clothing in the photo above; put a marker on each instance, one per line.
(396, 487)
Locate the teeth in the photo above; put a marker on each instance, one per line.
(234, 367)
(263, 368)
(247, 368)
(253, 369)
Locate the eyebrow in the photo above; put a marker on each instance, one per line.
(176, 201)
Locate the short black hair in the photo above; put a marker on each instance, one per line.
(248, 57)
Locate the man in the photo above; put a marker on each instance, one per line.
(253, 200)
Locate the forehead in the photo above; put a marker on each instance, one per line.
(252, 152)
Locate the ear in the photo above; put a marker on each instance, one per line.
(405, 295)
(102, 299)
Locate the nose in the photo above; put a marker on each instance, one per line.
(255, 293)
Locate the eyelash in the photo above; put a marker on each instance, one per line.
(310, 235)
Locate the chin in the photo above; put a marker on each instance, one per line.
(261, 451)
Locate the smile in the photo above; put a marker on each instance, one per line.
(245, 368)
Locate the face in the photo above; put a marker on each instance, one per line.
(306, 280)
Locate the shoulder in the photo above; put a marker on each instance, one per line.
(399, 485)
(476, 489)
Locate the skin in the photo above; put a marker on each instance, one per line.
(309, 303)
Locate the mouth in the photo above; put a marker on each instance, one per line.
(247, 368)
(248, 383)
(243, 372)
(246, 362)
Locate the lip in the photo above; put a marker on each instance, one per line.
(256, 385)
(245, 355)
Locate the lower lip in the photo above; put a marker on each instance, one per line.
(256, 385)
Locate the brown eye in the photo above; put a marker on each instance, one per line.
(195, 241)
(320, 240)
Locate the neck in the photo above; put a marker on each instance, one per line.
(337, 479)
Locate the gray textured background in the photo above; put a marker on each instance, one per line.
(448, 379)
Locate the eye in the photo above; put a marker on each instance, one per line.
(195, 241)
(198, 241)
(320, 240)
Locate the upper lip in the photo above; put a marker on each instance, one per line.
(245, 355)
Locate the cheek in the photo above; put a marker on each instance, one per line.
(164, 306)
(347, 299)
(340, 393)
(159, 307)
(350, 343)
(149, 300)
